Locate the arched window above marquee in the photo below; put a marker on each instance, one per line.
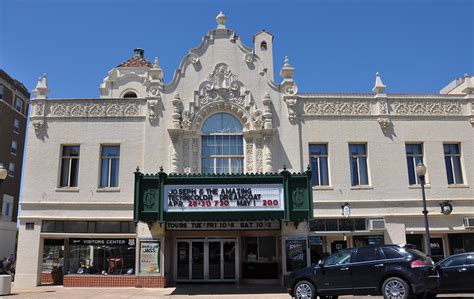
(222, 149)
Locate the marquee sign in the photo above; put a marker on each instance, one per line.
(232, 197)
(224, 225)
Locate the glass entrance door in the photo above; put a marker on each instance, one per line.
(197, 262)
(229, 261)
(215, 258)
(206, 260)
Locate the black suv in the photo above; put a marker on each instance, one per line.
(393, 271)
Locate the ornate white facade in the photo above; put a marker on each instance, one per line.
(161, 127)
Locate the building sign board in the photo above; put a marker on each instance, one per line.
(100, 242)
(230, 197)
(224, 225)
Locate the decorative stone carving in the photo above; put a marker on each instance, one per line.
(186, 154)
(38, 110)
(267, 111)
(385, 124)
(186, 121)
(99, 109)
(195, 159)
(259, 154)
(268, 165)
(174, 153)
(249, 154)
(221, 85)
(291, 105)
(288, 85)
(193, 58)
(258, 120)
(38, 125)
(427, 107)
(336, 107)
(383, 107)
(249, 57)
(152, 104)
(177, 109)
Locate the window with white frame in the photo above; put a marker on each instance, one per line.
(358, 164)
(452, 159)
(11, 169)
(14, 147)
(318, 156)
(19, 105)
(16, 126)
(414, 153)
(222, 145)
(69, 166)
(109, 166)
(2, 92)
(7, 207)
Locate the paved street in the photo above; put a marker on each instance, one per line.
(228, 291)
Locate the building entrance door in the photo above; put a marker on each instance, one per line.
(206, 259)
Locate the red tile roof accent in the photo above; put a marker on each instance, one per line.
(136, 62)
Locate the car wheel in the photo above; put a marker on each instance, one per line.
(304, 290)
(395, 288)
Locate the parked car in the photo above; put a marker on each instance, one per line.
(456, 273)
(394, 271)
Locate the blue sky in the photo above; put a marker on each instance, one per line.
(335, 46)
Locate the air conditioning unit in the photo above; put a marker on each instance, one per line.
(376, 224)
(469, 222)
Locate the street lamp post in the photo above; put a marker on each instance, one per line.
(421, 172)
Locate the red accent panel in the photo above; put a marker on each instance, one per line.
(114, 281)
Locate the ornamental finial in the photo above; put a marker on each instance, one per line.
(379, 87)
(221, 19)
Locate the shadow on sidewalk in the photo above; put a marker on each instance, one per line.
(226, 289)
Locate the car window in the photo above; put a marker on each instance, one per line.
(365, 254)
(339, 258)
(454, 261)
(470, 259)
(391, 253)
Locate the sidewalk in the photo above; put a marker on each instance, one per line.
(227, 291)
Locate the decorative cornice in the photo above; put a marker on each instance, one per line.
(427, 107)
(88, 108)
(336, 107)
(395, 107)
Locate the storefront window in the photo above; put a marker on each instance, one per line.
(360, 241)
(53, 256)
(459, 243)
(260, 249)
(102, 256)
(351, 224)
(416, 240)
(316, 248)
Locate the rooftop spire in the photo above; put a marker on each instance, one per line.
(379, 87)
(221, 19)
(42, 89)
(287, 71)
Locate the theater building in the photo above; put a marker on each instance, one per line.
(205, 179)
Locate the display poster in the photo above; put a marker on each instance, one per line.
(233, 197)
(295, 254)
(150, 257)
